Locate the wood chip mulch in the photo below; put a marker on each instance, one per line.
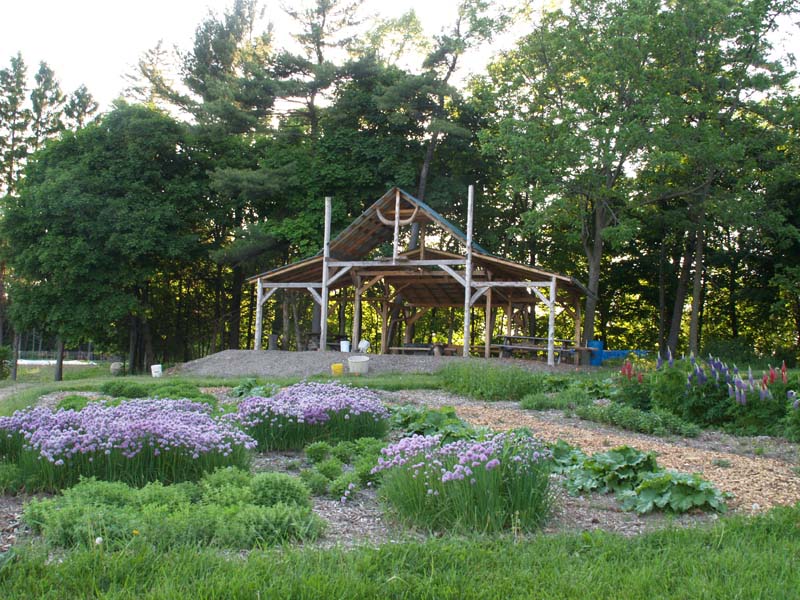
(758, 483)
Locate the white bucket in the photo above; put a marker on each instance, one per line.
(344, 345)
(155, 370)
(358, 365)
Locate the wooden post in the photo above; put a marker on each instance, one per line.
(487, 341)
(468, 273)
(356, 314)
(510, 316)
(396, 242)
(259, 315)
(326, 256)
(384, 325)
(422, 241)
(551, 325)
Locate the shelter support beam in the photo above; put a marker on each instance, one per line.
(357, 313)
(468, 270)
(551, 324)
(326, 255)
(487, 337)
(259, 316)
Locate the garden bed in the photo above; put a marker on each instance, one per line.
(757, 482)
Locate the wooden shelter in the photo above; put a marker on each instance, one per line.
(422, 277)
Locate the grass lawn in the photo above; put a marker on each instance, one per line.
(736, 558)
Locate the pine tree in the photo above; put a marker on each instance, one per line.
(14, 121)
(47, 107)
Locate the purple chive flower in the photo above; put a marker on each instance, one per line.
(312, 404)
(131, 428)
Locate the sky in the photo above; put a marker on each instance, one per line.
(95, 42)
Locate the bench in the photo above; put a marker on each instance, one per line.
(411, 349)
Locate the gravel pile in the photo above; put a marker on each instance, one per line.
(278, 363)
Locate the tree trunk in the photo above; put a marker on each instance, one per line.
(59, 373)
(733, 314)
(594, 257)
(2, 300)
(133, 334)
(662, 298)
(147, 340)
(15, 355)
(680, 296)
(235, 322)
(697, 288)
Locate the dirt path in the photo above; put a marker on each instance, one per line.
(757, 482)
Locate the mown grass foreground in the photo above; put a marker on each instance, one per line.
(736, 558)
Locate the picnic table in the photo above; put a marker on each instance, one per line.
(533, 345)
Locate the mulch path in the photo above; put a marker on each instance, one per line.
(757, 482)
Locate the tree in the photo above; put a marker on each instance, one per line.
(80, 106)
(132, 183)
(575, 106)
(47, 108)
(15, 118)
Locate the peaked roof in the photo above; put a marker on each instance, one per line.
(367, 232)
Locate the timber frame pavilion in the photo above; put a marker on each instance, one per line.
(422, 277)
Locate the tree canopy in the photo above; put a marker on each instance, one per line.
(647, 148)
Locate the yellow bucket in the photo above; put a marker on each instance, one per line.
(337, 369)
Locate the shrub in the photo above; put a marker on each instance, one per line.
(124, 389)
(308, 412)
(657, 422)
(5, 362)
(543, 401)
(316, 482)
(420, 420)
(113, 515)
(633, 388)
(181, 390)
(616, 470)
(135, 442)
(227, 487)
(792, 419)
(676, 492)
(279, 488)
(318, 451)
(344, 451)
(488, 382)
(715, 394)
(330, 468)
(73, 402)
(344, 486)
(10, 478)
(468, 485)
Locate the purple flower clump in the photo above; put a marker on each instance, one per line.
(312, 404)
(459, 460)
(131, 428)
